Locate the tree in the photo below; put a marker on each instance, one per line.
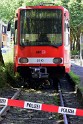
(7, 8)
(75, 8)
(65, 3)
(76, 12)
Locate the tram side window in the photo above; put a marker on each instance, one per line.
(66, 33)
(15, 36)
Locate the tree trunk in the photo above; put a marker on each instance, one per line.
(78, 45)
(1, 57)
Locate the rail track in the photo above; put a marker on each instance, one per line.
(48, 96)
(4, 109)
(23, 116)
(70, 99)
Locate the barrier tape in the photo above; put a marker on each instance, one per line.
(39, 106)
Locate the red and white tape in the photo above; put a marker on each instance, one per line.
(39, 106)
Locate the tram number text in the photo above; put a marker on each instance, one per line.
(40, 60)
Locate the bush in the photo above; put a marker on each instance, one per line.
(3, 76)
(10, 68)
(74, 52)
(75, 78)
(7, 76)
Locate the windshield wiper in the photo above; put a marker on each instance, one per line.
(22, 44)
(54, 46)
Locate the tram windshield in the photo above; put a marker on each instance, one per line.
(41, 27)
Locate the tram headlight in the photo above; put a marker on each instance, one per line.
(57, 60)
(23, 60)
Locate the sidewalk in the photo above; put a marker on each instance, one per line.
(78, 70)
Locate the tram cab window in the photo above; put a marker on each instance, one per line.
(47, 22)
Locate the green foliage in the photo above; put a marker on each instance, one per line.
(8, 60)
(10, 68)
(3, 76)
(74, 52)
(6, 71)
(76, 21)
(9, 76)
(76, 11)
(65, 3)
(75, 78)
(39, 2)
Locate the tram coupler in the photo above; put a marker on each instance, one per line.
(39, 72)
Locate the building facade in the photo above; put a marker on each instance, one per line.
(3, 34)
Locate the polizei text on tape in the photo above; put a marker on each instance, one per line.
(32, 105)
(3, 101)
(66, 110)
